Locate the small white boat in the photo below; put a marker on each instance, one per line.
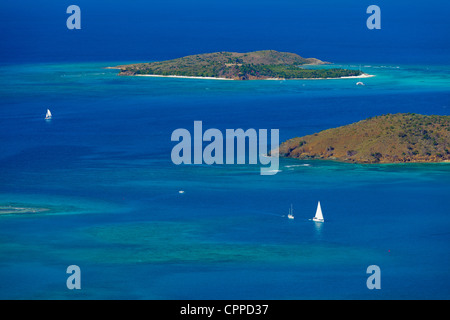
(291, 213)
(360, 83)
(48, 115)
(319, 216)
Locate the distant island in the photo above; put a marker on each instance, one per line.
(391, 138)
(258, 65)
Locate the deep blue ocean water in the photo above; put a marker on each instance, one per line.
(102, 164)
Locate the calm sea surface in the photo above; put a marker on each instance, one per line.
(102, 165)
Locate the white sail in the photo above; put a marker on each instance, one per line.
(48, 115)
(291, 213)
(319, 216)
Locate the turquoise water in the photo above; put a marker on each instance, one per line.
(103, 167)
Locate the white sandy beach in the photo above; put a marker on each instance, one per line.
(214, 78)
(181, 77)
(364, 75)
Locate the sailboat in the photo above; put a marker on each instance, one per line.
(319, 216)
(48, 115)
(291, 213)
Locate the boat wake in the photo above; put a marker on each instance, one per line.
(298, 165)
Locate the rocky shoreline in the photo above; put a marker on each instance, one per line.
(399, 138)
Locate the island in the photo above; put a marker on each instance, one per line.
(390, 138)
(258, 65)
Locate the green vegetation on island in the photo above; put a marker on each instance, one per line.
(267, 64)
(391, 138)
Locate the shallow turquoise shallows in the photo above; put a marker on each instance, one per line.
(102, 168)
